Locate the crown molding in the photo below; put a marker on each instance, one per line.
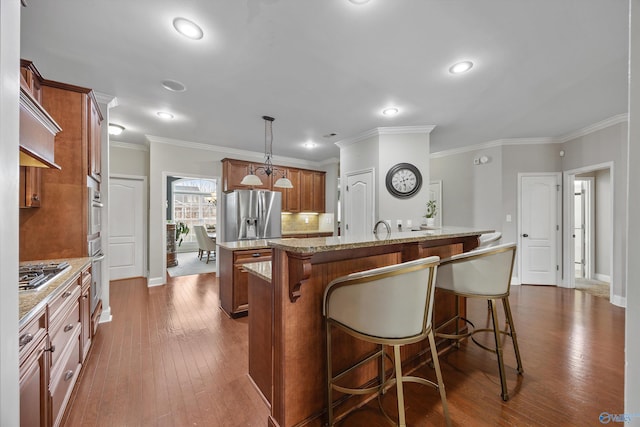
(620, 118)
(395, 130)
(128, 145)
(105, 98)
(244, 154)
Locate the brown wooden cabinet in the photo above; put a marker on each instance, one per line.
(34, 372)
(59, 228)
(307, 194)
(86, 332)
(234, 170)
(234, 298)
(30, 187)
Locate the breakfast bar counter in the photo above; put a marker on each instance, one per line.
(301, 270)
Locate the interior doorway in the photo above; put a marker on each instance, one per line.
(588, 246)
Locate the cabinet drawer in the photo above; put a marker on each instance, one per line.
(240, 257)
(63, 332)
(67, 297)
(31, 334)
(62, 383)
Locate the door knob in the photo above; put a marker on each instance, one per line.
(525, 235)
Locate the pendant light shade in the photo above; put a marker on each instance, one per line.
(283, 183)
(251, 179)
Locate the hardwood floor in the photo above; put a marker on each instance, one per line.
(171, 357)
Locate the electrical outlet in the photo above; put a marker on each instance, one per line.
(508, 217)
(306, 220)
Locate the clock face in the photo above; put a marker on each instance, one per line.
(403, 180)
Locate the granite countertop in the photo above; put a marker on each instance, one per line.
(31, 301)
(293, 233)
(244, 245)
(325, 244)
(260, 269)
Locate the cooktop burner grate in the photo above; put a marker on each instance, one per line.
(34, 276)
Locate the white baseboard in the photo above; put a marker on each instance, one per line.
(156, 281)
(515, 281)
(106, 315)
(619, 301)
(602, 277)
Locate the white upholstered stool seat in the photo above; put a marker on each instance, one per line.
(483, 273)
(390, 306)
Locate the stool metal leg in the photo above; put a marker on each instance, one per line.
(436, 365)
(496, 334)
(512, 330)
(329, 377)
(397, 361)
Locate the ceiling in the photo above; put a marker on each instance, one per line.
(543, 68)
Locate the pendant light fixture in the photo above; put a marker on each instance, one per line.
(252, 179)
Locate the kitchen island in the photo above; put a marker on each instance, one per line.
(301, 270)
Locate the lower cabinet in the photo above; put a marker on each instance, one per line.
(34, 372)
(234, 280)
(53, 346)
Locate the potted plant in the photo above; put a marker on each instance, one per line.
(432, 211)
(182, 230)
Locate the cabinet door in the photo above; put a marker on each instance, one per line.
(95, 135)
(319, 192)
(34, 387)
(234, 170)
(30, 187)
(306, 191)
(292, 194)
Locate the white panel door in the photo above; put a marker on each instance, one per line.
(126, 228)
(358, 204)
(539, 229)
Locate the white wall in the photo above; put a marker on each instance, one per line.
(380, 149)
(632, 323)
(403, 148)
(9, 84)
(607, 145)
(129, 159)
(602, 266)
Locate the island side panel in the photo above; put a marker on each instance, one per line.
(299, 348)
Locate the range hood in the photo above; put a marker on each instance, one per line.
(37, 133)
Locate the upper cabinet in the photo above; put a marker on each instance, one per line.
(59, 228)
(307, 194)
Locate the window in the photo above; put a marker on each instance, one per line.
(194, 202)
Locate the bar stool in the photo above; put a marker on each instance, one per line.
(386, 306)
(484, 273)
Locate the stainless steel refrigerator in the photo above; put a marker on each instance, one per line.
(252, 214)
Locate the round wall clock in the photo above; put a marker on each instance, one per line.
(404, 180)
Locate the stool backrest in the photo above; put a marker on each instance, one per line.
(389, 303)
(483, 272)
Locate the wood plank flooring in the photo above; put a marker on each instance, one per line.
(171, 357)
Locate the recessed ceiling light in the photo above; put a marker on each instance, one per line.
(359, 1)
(391, 111)
(461, 67)
(188, 28)
(173, 85)
(309, 145)
(164, 115)
(115, 129)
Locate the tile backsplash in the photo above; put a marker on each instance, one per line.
(307, 222)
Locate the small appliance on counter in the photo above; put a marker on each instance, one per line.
(252, 215)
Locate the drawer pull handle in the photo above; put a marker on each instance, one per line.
(68, 327)
(85, 296)
(68, 375)
(51, 349)
(256, 255)
(66, 294)
(25, 339)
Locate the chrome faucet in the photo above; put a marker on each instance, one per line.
(375, 227)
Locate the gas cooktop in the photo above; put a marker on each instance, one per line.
(34, 276)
